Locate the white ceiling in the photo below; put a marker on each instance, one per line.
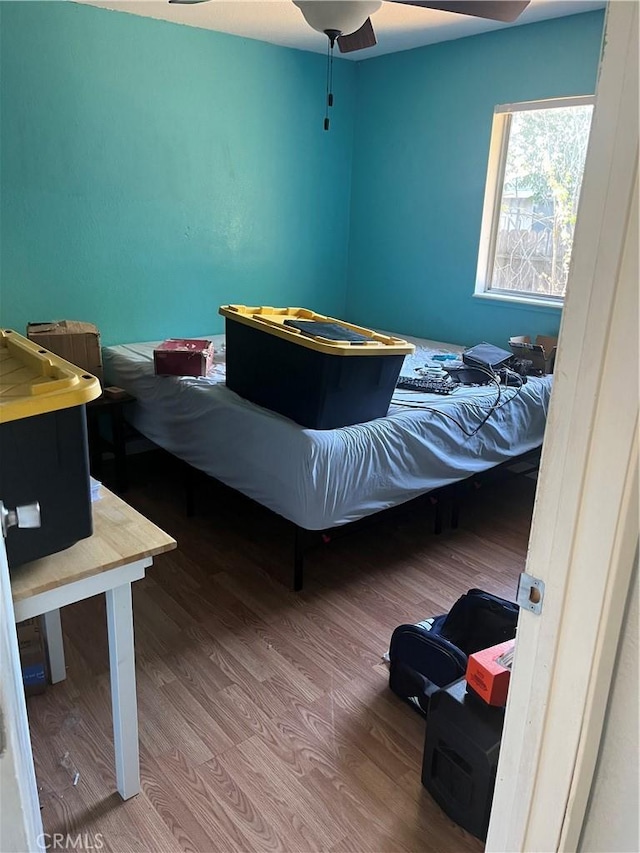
(398, 27)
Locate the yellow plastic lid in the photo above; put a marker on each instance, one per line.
(34, 381)
(272, 321)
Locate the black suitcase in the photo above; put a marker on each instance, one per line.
(461, 752)
(433, 653)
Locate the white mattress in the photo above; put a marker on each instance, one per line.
(325, 478)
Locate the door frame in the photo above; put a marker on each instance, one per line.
(585, 525)
(21, 824)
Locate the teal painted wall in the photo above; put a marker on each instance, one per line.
(419, 167)
(151, 172)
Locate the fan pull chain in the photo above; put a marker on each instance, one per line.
(331, 36)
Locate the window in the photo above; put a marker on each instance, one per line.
(536, 163)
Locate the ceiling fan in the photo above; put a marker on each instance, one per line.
(349, 23)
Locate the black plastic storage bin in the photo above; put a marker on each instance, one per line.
(461, 752)
(318, 381)
(43, 446)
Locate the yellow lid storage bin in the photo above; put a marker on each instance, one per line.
(321, 372)
(43, 446)
(34, 381)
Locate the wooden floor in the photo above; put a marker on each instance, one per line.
(266, 722)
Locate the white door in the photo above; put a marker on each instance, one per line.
(585, 526)
(20, 823)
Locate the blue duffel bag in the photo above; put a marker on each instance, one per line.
(433, 653)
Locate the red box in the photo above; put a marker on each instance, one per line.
(486, 677)
(182, 357)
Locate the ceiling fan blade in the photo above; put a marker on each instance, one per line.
(187, 2)
(364, 37)
(496, 10)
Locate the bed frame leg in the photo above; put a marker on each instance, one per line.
(455, 507)
(437, 520)
(299, 549)
(189, 490)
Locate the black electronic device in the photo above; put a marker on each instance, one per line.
(510, 378)
(524, 367)
(487, 356)
(426, 384)
(471, 375)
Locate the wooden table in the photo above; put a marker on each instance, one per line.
(122, 546)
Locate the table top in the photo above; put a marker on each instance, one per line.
(121, 535)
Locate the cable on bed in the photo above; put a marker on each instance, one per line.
(494, 408)
(496, 405)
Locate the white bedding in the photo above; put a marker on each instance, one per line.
(326, 478)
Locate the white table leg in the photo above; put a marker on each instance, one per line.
(55, 646)
(123, 689)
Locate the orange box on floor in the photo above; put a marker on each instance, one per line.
(488, 676)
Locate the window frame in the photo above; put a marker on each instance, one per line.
(498, 149)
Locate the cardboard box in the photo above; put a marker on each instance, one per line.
(77, 342)
(32, 656)
(183, 357)
(488, 678)
(542, 353)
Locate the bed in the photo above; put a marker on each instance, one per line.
(321, 479)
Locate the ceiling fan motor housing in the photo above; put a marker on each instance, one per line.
(344, 16)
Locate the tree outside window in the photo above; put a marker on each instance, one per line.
(536, 188)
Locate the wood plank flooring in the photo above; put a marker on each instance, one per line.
(266, 722)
